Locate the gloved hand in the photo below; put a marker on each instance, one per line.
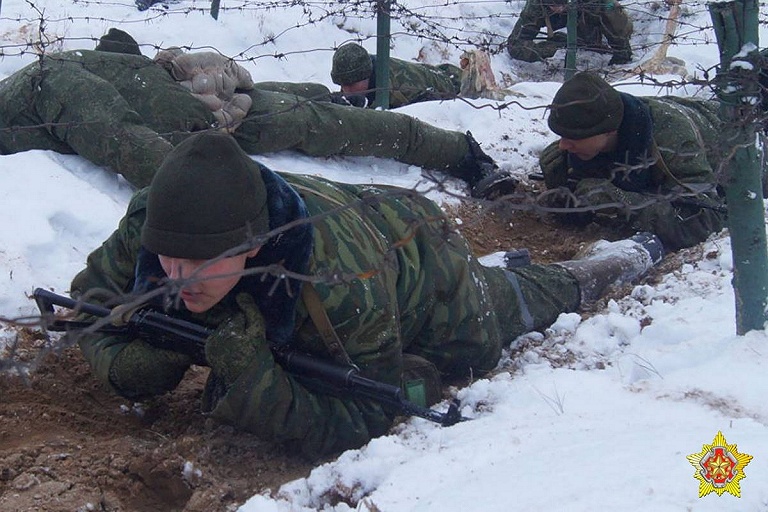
(353, 100)
(495, 184)
(559, 38)
(236, 342)
(554, 166)
(621, 57)
(140, 370)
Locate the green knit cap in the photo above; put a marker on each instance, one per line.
(586, 105)
(206, 198)
(351, 63)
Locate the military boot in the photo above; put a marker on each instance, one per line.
(606, 264)
(482, 174)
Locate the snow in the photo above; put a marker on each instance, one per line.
(601, 414)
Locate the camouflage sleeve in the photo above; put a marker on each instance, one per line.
(249, 390)
(278, 121)
(309, 90)
(131, 367)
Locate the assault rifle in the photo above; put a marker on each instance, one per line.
(166, 332)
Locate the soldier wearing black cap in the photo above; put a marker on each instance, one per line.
(646, 164)
(595, 19)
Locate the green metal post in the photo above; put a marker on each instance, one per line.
(382, 54)
(570, 52)
(736, 24)
(215, 9)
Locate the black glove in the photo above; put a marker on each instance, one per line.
(554, 166)
(353, 100)
(357, 100)
(559, 38)
(496, 184)
(620, 57)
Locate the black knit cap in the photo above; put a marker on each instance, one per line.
(351, 63)
(586, 105)
(206, 198)
(117, 41)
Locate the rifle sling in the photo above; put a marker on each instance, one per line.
(323, 324)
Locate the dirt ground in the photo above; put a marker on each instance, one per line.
(67, 444)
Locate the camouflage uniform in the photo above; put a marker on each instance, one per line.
(412, 287)
(596, 18)
(411, 82)
(125, 112)
(681, 136)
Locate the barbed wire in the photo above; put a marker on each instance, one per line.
(427, 23)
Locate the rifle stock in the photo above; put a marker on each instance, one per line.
(167, 332)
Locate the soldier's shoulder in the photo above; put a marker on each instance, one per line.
(138, 201)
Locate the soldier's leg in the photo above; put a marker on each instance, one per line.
(610, 263)
(24, 132)
(528, 51)
(90, 116)
(617, 28)
(279, 122)
(531, 297)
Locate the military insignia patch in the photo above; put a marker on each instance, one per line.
(719, 467)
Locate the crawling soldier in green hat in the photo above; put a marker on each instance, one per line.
(235, 246)
(124, 111)
(354, 69)
(647, 163)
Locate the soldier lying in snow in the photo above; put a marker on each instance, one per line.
(124, 111)
(413, 297)
(647, 163)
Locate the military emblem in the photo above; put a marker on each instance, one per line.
(719, 467)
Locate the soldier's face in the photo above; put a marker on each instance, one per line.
(589, 148)
(208, 281)
(355, 88)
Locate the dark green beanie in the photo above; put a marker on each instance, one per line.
(117, 41)
(206, 198)
(586, 105)
(351, 63)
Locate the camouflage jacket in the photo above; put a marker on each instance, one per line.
(412, 82)
(394, 278)
(667, 146)
(596, 19)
